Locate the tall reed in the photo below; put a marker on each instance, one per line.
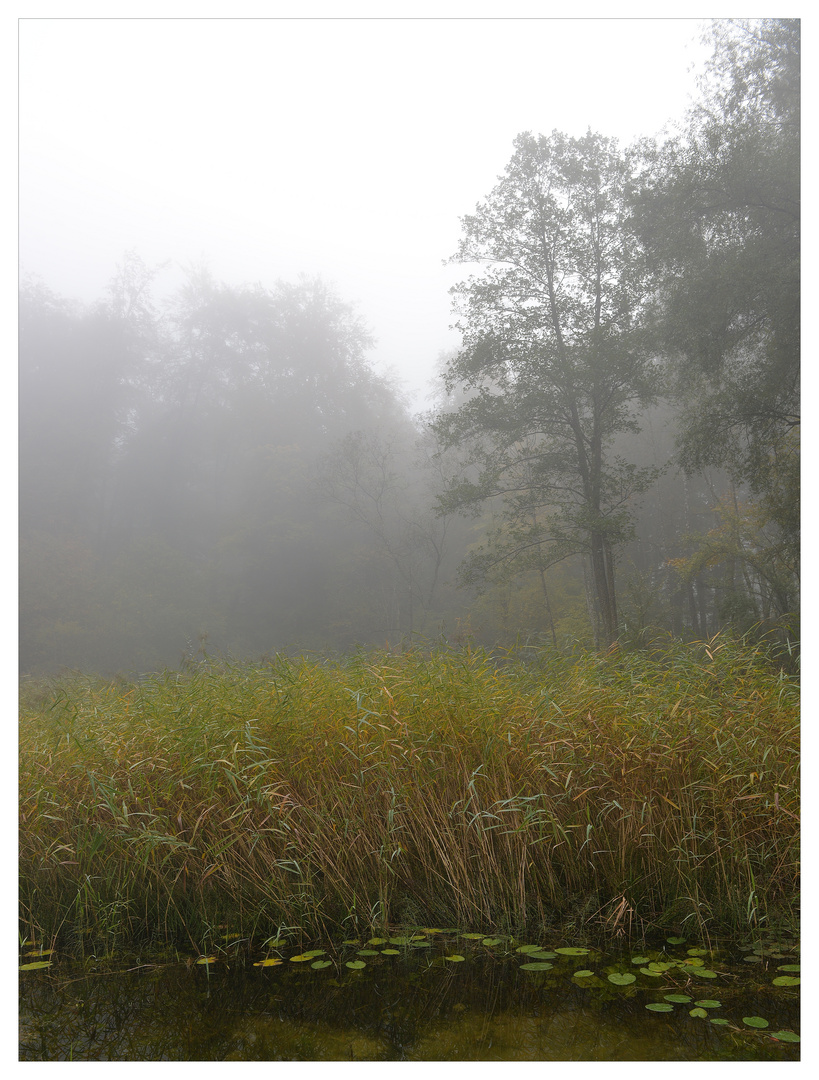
(523, 791)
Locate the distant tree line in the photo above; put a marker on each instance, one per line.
(613, 453)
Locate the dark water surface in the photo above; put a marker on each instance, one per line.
(410, 1006)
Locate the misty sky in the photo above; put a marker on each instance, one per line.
(347, 148)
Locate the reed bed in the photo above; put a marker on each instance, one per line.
(523, 791)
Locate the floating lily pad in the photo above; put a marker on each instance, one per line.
(622, 978)
(697, 1012)
(660, 1006)
(368, 952)
(694, 961)
(675, 940)
(786, 980)
(572, 951)
(317, 965)
(708, 1003)
(696, 952)
(40, 964)
(788, 967)
(704, 973)
(404, 939)
(351, 941)
(491, 941)
(679, 999)
(659, 966)
(432, 930)
(641, 960)
(390, 952)
(585, 974)
(377, 941)
(541, 954)
(755, 1021)
(471, 937)
(538, 965)
(302, 958)
(356, 965)
(754, 959)
(422, 945)
(528, 949)
(648, 971)
(785, 1036)
(271, 961)
(456, 958)
(719, 1020)
(40, 952)
(274, 943)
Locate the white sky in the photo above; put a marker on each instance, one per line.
(342, 147)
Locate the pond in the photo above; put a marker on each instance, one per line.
(429, 995)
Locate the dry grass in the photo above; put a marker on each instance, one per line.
(441, 787)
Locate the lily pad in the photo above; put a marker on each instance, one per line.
(356, 965)
(37, 964)
(648, 971)
(456, 958)
(572, 951)
(585, 974)
(694, 961)
(390, 952)
(422, 945)
(755, 1021)
(541, 954)
(659, 966)
(539, 965)
(753, 959)
(675, 940)
(679, 999)
(660, 1006)
(528, 949)
(785, 1036)
(708, 1003)
(719, 1020)
(697, 1012)
(786, 980)
(368, 952)
(622, 978)
(704, 973)
(473, 937)
(492, 941)
(206, 960)
(271, 961)
(432, 930)
(351, 941)
(377, 941)
(317, 965)
(788, 967)
(696, 952)
(641, 959)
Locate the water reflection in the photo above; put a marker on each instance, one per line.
(407, 1008)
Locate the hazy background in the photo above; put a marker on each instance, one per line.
(345, 147)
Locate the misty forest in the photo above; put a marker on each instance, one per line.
(299, 662)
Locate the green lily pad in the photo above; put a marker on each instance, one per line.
(433, 930)
(317, 965)
(788, 967)
(377, 941)
(707, 1003)
(390, 952)
(660, 1006)
(456, 958)
(422, 945)
(300, 959)
(753, 959)
(640, 960)
(206, 960)
(38, 964)
(473, 937)
(356, 965)
(696, 952)
(368, 952)
(537, 966)
(660, 966)
(541, 954)
(719, 1020)
(351, 941)
(648, 971)
(271, 961)
(572, 951)
(697, 1012)
(785, 1036)
(585, 974)
(675, 940)
(528, 949)
(492, 941)
(786, 980)
(704, 973)
(755, 1021)
(694, 961)
(622, 979)
(679, 999)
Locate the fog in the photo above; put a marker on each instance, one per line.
(238, 288)
(347, 148)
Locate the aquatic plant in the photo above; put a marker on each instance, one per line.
(519, 791)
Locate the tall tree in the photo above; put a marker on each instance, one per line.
(720, 215)
(556, 357)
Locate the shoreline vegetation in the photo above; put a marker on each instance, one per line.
(622, 795)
